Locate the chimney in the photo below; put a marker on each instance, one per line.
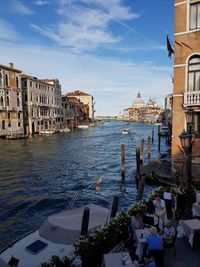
(11, 65)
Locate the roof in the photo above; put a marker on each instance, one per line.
(77, 93)
(11, 69)
(25, 76)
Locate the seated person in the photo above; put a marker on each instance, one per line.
(155, 247)
(136, 221)
(160, 210)
(154, 241)
(168, 232)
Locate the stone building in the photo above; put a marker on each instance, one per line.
(41, 104)
(86, 99)
(11, 115)
(186, 91)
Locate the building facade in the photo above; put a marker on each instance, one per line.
(86, 99)
(41, 105)
(11, 114)
(186, 91)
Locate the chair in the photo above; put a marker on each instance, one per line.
(171, 245)
(158, 256)
(148, 220)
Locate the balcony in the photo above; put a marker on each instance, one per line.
(191, 98)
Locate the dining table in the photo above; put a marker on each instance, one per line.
(141, 236)
(120, 259)
(188, 228)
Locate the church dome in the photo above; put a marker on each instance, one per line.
(151, 103)
(138, 102)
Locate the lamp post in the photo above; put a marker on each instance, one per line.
(187, 140)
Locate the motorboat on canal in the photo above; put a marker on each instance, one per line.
(55, 237)
(83, 126)
(47, 132)
(126, 131)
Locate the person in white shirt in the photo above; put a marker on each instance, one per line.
(160, 210)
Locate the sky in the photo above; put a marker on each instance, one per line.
(111, 49)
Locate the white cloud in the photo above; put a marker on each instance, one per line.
(18, 8)
(7, 31)
(113, 83)
(41, 2)
(85, 25)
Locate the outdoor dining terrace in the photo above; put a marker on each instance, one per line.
(115, 244)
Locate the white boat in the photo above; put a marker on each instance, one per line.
(55, 237)
(83, 126)
(66, 130)
(47, 132)
(126, 131)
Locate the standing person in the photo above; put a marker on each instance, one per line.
(160, 210)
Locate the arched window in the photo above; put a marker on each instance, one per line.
(1, 101)
(1, 79)
(194, 73)
(18, 102)
(3, 125)
(7, 101)
(6, 79)
(17, 82)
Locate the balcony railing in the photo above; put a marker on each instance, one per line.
(192, 98)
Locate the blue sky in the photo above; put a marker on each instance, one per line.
(112, 49)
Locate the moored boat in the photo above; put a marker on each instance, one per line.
(55, 237)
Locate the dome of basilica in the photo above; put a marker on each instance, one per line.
(138, 102)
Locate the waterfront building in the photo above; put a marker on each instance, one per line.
(186, 91)
(41, 104)
(11, 115)
(86, 99)
(74, 112)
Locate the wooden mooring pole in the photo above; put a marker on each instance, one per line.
(152, 136)
(123, 161)
(149, 147)
(85, 221)
(159, 137)
(114, 206)
(137, 166)
(142, 151)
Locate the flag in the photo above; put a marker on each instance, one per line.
(169, 47)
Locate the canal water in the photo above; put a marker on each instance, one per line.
(42, 175)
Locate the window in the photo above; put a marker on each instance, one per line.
(9, 124)
(7, 101)
(195, 16)
(17, 82)
(18, 102)
(197, 123)
(26, 98)
(194, 74)
(3, 125)
(19, 116)
(7, 80)
(9, 115)
(1, 101)
(19, 124)
(0, 79)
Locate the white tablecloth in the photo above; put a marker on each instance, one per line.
(195, 209)
(115, 260)
(141, 241)
(188, 228)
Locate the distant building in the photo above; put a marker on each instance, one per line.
(11, 114)
(86, 99)
(139, 112)
(41, 104)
